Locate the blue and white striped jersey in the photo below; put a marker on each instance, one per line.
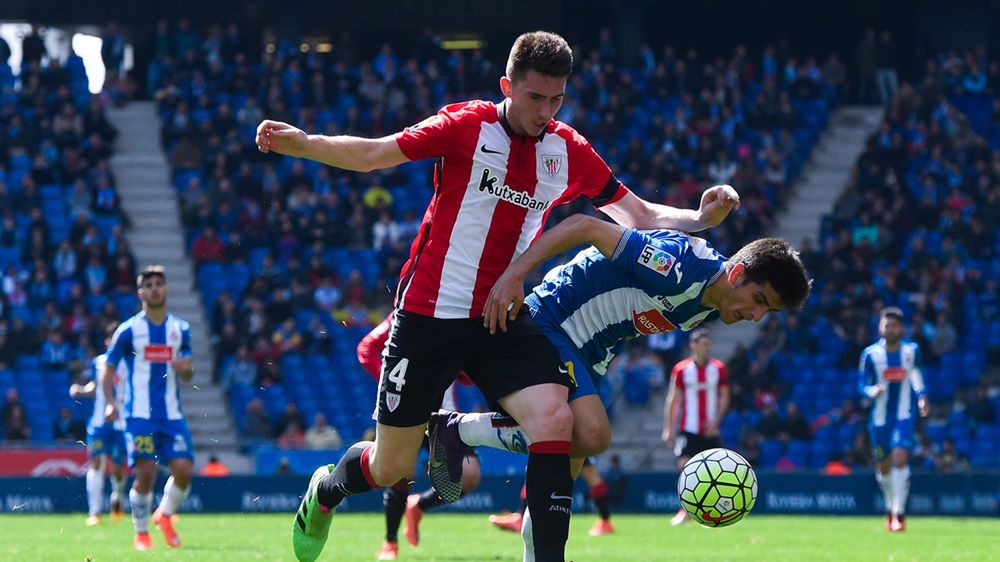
(151, 389)
(652, 284)
(100, 401)
(900, 372)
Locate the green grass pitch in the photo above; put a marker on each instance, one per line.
(452, 538)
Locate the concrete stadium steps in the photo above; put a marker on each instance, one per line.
(148, 197)
(636, 436)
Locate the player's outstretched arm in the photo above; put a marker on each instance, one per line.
(83, 390)
(507, 295)
(716, 203)
(107, 382)
(345, 152)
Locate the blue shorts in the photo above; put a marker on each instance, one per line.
(893, 435)
(160, 440)
(582, 375)
(106, 440)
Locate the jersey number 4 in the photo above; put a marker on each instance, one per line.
(397, 375)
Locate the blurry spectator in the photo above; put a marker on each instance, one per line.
(950, 460)
(241, 371)
(214, 468)
(208, 248)
(56, 352)
(617, 481)
(770, 425)
(980, 408)
(860, 453)
(290, 415)
(885, 61)
(796, 424)
(867, 60)
(327, 294)
(945, 337)
(67, 428)
(15, 422)
(287, 338)
(7, 353)
(292, 437)
(256, 425)
(322, 435)
(64, 263)
(32, 48)
(112, 47)
(925, 454)
(284, 468)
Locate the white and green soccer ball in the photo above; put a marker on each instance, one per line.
(717, 487)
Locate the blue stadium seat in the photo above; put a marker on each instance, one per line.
(770, 451)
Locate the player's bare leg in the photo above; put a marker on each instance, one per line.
(546, 417)
(95, 489)
(141, 498)
(174, 492)
(118, 480)
(900, 487)
(883, 476)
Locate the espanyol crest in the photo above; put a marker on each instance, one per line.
(552, 164)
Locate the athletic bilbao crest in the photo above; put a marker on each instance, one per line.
(552, 163)
(391, 401)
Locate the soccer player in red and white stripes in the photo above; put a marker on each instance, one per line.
(699, 388)
(501, 169)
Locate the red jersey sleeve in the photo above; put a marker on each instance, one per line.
(438, 135)
(370, 348)
(589, 175)
(723, 374)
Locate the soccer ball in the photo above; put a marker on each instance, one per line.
(717, 487)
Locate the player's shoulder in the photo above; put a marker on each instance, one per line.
(479, 110)
(872, 348)
(181, 323)
(568, 133)
(717, 363)
(911, 346)
(682, 364)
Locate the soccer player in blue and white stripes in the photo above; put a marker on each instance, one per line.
(156, 349)
(890, 376)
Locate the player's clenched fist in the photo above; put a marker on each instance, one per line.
(275, 136)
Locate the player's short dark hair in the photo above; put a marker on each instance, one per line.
(149, 272)
(775, 261)
(541, 51)
(891, 312)
(700, 334)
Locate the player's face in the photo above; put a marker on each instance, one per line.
(748, 300)
(534, 100)
(891, 329)
(701, 347)
(153, 292)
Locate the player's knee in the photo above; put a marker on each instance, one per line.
(591, 440)
(386, 470)
(556, 424)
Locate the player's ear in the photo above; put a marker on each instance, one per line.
(735, 274)
(506, 86)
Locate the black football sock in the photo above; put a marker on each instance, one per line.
(599, 494)
(394, 500)
(550, 498)
(352, 476)
(430, 499)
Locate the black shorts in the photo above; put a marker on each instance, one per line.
(423, 355)
(694, 444)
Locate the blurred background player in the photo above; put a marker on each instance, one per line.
(156, 349)
(105, 441)
(890, 376)
(598, 490)
(397, 499)
(699, 389)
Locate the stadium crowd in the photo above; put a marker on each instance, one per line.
(67, 270)
(296, 261)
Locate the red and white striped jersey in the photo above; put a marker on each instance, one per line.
(698, 386)
(493, 191)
